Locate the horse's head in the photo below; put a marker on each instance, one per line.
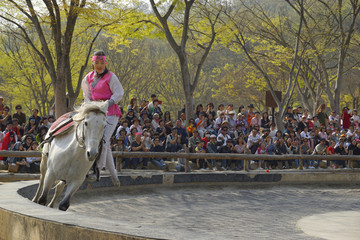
(93, 123)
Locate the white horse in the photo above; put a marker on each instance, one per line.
(68, 157)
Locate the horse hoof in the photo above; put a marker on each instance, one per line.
(116, 183)
(64, 206)
(91, 177)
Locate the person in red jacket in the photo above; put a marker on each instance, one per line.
(8, 139)
(345, 116)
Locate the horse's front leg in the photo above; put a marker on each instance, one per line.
(43, 168)
(70, 190)
(48, 182)
(58, 190)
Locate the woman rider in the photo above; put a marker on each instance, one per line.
(103, 85)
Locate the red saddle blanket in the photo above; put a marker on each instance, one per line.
(62, 124)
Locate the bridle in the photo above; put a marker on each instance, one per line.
(81, 139)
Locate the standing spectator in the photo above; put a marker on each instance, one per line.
(156, 147)
(355, 118)
(345, 116)
(21, 117)
(182, 120)
(5, 117)
(250, 113)
(2, 105)
(134, 106)
(259, 151)
(322, 116)
(309, 122)
(333, 120)
(199, 109)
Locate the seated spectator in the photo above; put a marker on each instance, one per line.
(193, 140)
(260, 151)
(182, 133)
(281, 149)
(306, 149)
(32, 163)
(51, 120)
(167, 117)
(5, 117)
(231, 119)
(265, 121)
(121, 147)
(130, 116)
(256, 120)
(228, 148)
(309, 122)
(200, 163)
(136, 125)
(211, 147)
(27, 140)
(320, 149)
(180, 167)
(31, 127)
(219, 121)
(155, 108)
(254, 140)
(124, 125)
(355, 118)
(133, 106)
(8, 142)
(42, 132)
(192, 126)
(340, 150)
(201, 124)
(16, 160)
(156, 147)
(147, 125)
(155, 121)
(239, 148)
(138, 146)
(206, 138)
(161, 130)
(173, 141)
(16, 128)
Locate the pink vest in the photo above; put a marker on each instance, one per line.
(103, 92)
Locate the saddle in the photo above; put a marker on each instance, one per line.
(61, 125)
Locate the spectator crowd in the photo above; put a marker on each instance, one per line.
(146, 127)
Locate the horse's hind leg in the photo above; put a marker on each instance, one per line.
(48, 182)
(70, 190)
(58, 189)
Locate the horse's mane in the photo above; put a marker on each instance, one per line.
(87, 107)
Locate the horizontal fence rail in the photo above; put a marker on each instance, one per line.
(227, 156)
